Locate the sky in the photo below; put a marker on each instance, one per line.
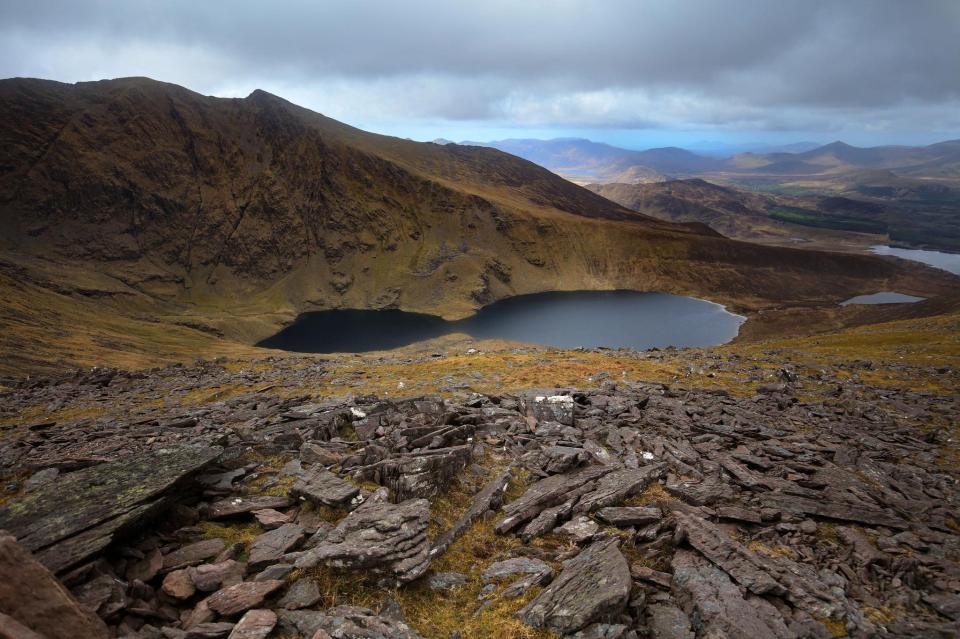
(633, 73)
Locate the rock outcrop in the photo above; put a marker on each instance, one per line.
(384, 538)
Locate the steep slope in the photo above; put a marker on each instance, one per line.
(232, 215)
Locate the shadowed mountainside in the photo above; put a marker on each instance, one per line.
(143, 217)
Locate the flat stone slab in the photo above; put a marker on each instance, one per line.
(627, 516)
(323, 487)
(717, 607)
(239, 505)
(343, 622)
(193, 554)
(241, 597)
(269, 547)
(255, 624)
(74, 517)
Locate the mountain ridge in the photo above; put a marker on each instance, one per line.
(232, 215)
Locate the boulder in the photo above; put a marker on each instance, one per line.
(579, 530)
(34, 598)
(667, 621)
(515, 566)
(560, 459)
(761, 574)
(547, 493)
(178, 584)
(421, 475)
(550, 408)
(593, 587)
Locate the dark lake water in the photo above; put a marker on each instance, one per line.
(567, 320)
(946, 261)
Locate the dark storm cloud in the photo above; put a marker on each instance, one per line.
(743, 64)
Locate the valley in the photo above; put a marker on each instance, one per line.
(147, 221)
(482, 425)
(908, 196)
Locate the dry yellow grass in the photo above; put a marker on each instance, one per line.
(231, 533)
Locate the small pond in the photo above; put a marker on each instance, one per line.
(615, 319)
(883, 297)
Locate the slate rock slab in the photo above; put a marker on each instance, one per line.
(323, 487)
(423, 475)
(716, 606)
(302, 594)
(627, 516)
(241, 597)
(344, 622)
(209, 630)
(515, 566)
(255, 624)
(269, 547)
(761, 574)
(211, 577)
(76, 516)
(34, 598)
(593, 586)
(240, 505)
(193, 554)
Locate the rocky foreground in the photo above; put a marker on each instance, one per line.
(629, 510)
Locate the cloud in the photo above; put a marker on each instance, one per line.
(700, 64)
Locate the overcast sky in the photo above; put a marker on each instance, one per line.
(627, 72)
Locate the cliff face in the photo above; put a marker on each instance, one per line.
(239, 213)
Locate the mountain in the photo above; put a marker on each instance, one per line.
(145, 222)
(935, 160)
(767, 218)
(583, 160)
(724, 149)
(732, 212)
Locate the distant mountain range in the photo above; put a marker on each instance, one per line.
(585, 161)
